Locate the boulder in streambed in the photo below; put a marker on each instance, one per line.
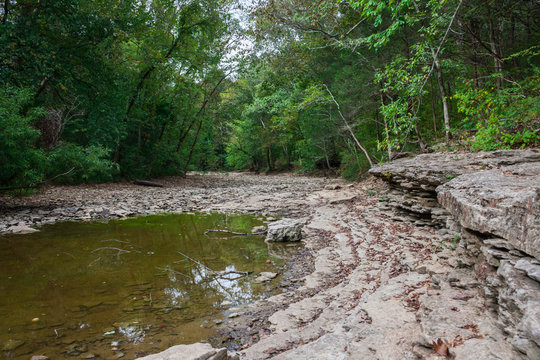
(265, 276)
(12, 345)
(196, 351)
(258, 229)
(21, 229)
(285, 230)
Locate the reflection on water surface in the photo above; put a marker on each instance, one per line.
(128, 287)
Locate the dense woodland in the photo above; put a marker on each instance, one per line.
(95, 90)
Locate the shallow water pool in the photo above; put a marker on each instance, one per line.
(126, 288)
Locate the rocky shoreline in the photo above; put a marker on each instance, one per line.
(229, 192)
(436, 258)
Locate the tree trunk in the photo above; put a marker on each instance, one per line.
(199, 112)
(386, 130)
(185, 133)
(269, 158)
(442, 90)
(287, 155)
(417, 131)
(192, 147)
(433, 105)
(6, 11)
(326, 155)
(495, 50)
(349, 127)
(377, 125)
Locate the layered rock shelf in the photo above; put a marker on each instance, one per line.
(490, 202)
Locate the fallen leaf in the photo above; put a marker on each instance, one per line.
(440, 347)
(471, 327)
(458, 340)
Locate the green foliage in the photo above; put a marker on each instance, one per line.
(89, 164)
(21, 162)
(123, 85)
(125, 88)
(502, 118)
(351, 166)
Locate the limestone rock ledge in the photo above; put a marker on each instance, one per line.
(490, 201)
(502, 203)
(197, 351)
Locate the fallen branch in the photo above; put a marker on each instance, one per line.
(198, 263)
(232, 279)
(147, 183)
(127, 243)
(223, 274)
(32, 186)
(235, 233)
(95, 261)
(174, 272)
(243, 273)
(111, 248)
(218, 274)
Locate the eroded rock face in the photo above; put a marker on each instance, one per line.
(491, 202)
(285, 230)
(502, 202)
(198, 351)
(519, 308)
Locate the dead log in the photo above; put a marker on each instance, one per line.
(235, 233)
(147, 183)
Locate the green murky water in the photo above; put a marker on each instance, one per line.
(124, 287)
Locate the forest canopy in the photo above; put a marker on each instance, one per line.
(94, 90)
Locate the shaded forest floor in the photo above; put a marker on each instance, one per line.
(377, 286)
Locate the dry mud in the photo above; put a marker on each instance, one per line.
(372, 285)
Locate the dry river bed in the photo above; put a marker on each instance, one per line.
(374, 285)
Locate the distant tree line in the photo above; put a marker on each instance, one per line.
(95, 90)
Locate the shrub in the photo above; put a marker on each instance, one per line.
(502, 118)
(21, 162)
(90, 164)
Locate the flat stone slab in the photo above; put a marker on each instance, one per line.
(501, 202)
(21, 229)
(198, 351)
(427, 171)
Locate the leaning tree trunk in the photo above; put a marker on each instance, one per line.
(386, 130)
(442, 91)
(193, 147)
(351, 132)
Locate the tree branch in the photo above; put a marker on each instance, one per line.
(348, 126)
(38, 183)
